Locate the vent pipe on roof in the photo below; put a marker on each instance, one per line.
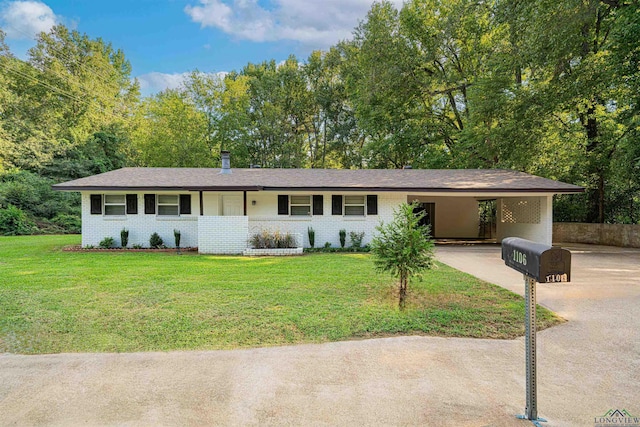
(226, 162)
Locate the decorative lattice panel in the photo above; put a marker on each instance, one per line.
(521, 211)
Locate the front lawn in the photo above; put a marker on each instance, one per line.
(53, 301)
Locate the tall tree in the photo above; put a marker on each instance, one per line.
(171, 131)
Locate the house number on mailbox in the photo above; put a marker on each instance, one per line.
(519, 257)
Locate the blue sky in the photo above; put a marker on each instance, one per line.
(165, 38)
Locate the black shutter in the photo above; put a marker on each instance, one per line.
(336, 205)
(185, 204)
(132, 204)
(318, 204)
(150, 203)
(96, 204)
(283, 204)
(372, 204)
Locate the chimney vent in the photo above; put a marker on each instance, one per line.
(226, 162)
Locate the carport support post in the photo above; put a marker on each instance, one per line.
(531, 410)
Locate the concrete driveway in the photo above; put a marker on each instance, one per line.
(586, 366)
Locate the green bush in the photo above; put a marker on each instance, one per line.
(106, 243)
(176, 237)
(356, 238)
(33, 194)
(155, 241)
(124, 237)
(13, 221)
(312, 236)
(69, 223)
(343, 237)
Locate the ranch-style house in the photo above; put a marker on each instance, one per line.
(217, 210)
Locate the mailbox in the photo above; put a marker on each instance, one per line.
(546, 264)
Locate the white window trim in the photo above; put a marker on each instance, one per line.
(310, 205)
(345, 204)
(105, 204)
(158, 204)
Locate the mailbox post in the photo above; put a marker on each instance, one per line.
(538, 263)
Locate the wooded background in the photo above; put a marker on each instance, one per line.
(549, 87)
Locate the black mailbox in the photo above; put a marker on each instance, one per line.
(546, 264)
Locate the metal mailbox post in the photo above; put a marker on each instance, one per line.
(538, 263)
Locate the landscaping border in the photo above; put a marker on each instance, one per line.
(78, 248)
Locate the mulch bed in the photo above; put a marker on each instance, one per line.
(78, 248)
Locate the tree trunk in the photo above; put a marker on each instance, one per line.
(403, 290)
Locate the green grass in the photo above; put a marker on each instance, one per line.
(53, 301)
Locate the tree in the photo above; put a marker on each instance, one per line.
(171, 132)
(403, 247)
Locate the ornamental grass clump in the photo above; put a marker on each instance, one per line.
(266, 239)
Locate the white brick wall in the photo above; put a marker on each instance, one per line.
(140, 226)
(222, 234)
(326, 226)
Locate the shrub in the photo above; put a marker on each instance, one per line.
(356, 238)
(312, 236)
(155, 241)
(34, 195)
(343, 237)
(124, 237)
(137, 246)
(269, 240)
(403, 247)
(106, 243)
(13, 221)
(176, 237)
(69, 223)
(327, 245)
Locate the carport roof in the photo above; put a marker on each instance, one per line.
(410, 180)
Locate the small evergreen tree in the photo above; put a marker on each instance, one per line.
(403, 247)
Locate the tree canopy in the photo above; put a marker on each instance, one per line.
(546, 87)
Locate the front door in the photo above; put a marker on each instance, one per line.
(429, 217)
(232, 205)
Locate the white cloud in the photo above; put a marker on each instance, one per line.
(25, 19)
(316, 24)
(156, 82)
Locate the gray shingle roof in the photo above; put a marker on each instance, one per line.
(423, 180)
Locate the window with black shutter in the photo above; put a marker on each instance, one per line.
(372, 204)
(336, 205)
(132, 204)
(96, 204)
(149, 203)
(283, 204)
(318, 204)
(185, 204)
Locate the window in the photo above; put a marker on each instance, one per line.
(168, 204)
(354, 205)
(300, 205)
(114, 204)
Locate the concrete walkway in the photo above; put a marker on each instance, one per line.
(587, 366)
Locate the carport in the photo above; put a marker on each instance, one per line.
(457, 215)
